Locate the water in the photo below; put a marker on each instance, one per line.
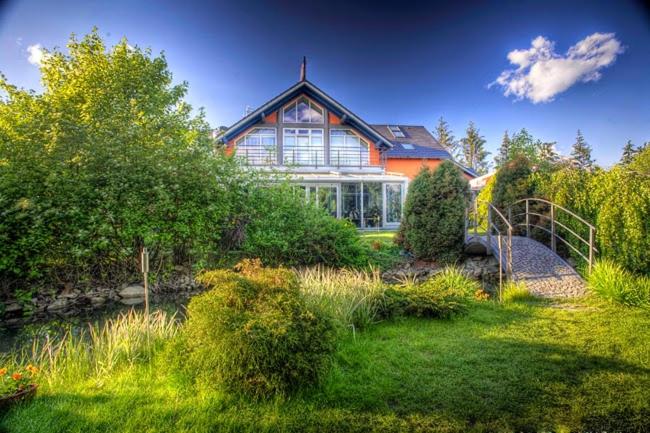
(12, 340)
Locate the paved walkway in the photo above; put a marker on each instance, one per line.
(544, 272)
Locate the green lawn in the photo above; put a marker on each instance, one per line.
(512, 367)
(383, 251)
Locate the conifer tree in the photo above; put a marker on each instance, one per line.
(581, 153)
(446, 138)
(629, 151)
(547, 152)
(504, 151)
(474, 154)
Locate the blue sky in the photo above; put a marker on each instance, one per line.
(393, 62)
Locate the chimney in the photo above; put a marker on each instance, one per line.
(303, 69)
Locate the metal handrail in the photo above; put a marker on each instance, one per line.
(504, 247)
(554, 222)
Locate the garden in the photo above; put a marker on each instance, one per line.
(295, 327)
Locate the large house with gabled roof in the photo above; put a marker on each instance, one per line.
(353, 169)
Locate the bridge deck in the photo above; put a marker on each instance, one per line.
(545, 273)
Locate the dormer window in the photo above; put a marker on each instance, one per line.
(408, 146)
(302, 110)
(396, 131)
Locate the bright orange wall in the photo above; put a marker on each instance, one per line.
(411, 167)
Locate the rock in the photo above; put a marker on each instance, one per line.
(133, 291)
(97, 301)
(132, 301)
(59, 304)
(13, 307)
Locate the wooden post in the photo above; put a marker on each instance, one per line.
(144, 264)
(489, 230)
(500, 270)
(527, 220)
(553, 246)
(475, 216)
(591, 248)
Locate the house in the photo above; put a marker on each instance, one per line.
(353, 169)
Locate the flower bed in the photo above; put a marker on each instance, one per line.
(17, 385)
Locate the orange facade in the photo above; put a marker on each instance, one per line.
(410, 167)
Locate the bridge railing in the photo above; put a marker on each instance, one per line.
(532, 216)
(498, 232)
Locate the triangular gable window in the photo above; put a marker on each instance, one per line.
(302, 110)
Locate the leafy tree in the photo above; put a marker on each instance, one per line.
(581, 153)
(433, 226)
(524, 144)
(474, 154)
(504, 151)
(629, 151)
(446, 138)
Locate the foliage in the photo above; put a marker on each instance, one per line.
(282, 229)
(253, 333)
(581, 153)
(473, 153)
(107, 159)
(442, 296)
(629, 151)
(16, 380)
(611, 281)
(349, 296)
(484, 198)
(434, 213)
(383, 253)
(616, 201)
(517, 292)
(504, 151)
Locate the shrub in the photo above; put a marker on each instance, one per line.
(442, 296)
(433, 226)
(253, 333)
(350, 296)
(612, 282)
(285, 230)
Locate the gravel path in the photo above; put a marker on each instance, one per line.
(544, 272)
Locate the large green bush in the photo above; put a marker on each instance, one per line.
(616, 202)
(512, 183)
(433, 226)
(283, 229)
(253, 333)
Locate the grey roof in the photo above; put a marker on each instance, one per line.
(417, 152)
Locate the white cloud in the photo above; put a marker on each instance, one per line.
(541, 73)
(36, 54)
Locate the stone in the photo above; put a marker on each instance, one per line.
(59, 304)
(133, 291)
(13, 307)
(97, 301)
(132, 301)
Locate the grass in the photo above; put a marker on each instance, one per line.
(502, 367)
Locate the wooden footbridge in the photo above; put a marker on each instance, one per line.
(525, 243)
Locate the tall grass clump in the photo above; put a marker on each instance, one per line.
(517, 292)
(612, 282)
(350, 296)
(98, 350)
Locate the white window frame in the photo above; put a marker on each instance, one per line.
(402, 201)
(309, 135)
(311, 104)
(335, 162)
(396, 128)
(250, 132)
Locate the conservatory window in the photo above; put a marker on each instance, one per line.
(303, 147)
(258, 147)
(302, 111)
(347, 149)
